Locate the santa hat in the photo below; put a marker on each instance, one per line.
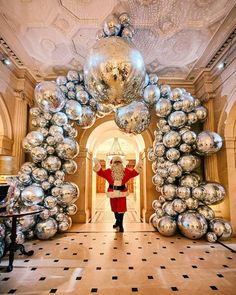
(116, 159)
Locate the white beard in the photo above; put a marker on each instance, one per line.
(117, 171)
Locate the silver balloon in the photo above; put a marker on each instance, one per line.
(50, 150)
(51, 163)
(158, 180)
(54, 129)
(51, 140)
(165, 90)
(124, 19)
(166, 226)
(192, 118)
(41, 122)
(103, 110)
(71, 209)
(192, 203)
(49, 97)
(69, 193)
(171, 139)
(50, 202)
(175, 170)
(153, 220)
(71, 94)
(163, 173)
(214, 193)
(53, 211)
(154, 167)
(38, 154)
(188, 163)
(24, 178)
(44, 131)
(211, 237)
(177, 119)
(173, 154)
(159, 212)
(177, 106)
(32, 195)
(163, 107)
(59, 217)
(190, 180)
(169, 191)
(27, 167)
(35, 138)
(55, 191)
(69, 167)
(221, 228)
(201, 113)
(112, 25)
(39, 174)
(185, 148)
(70, 86)
(35, 112)
(82, 97)
(68, 149)
(47, 116)
(159, 150)
(199, 193)
(27, 222)
(189, 137)
(87, 117)
(179, 205)
(208, 143)
(176, 94)
(165, 129)
(46, 229)
(60, 119)
(206, 211)
(114, 71)
(45, 214)
(133, 118)
(73, 76)
(151, 94)
(64, 89)
(183, 192)
(128, 32)
(61, 80)
(168, 208)
(192, 224)
(187, 103)
(150, 155)
(156, 204)
(153, 79)
(73, 109)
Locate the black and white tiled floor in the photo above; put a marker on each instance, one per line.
(135, 262)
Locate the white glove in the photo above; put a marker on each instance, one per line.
(139, 166)
(96, 165)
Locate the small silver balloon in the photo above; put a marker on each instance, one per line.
(173, 154)
(158, 180)
(187, 103)
(166, 226)
(69, 193)
(177, 106)
(165, 90)
(112, 25)
(179, 205)
(50, 202)
(35, 112)
(133, 118)
(73, 76)
(171, 139)
(206, 211)
(199, 193)
(87, 117)
(156, 204)
(211, 237)
(100, 34)
(153, 220)
(68, 149)
(192, 224)
(35, 138)
(190, 180)
(183, 192)
(175, 171)
(185, 148)
(54, 129)
(169, 191)
(61, 80)
(153, 79)
(221, 228)
(69, 167)
(188, 162)
(192, 118)
(27, 222)
(176, 94)
(177, 119)
(150, 155)
(151, 94)
(128, 32)
(189, 137)
(70, 86)
(46, 229)
(159, 150)
(39, 174)
(192, 203)
(45, 214)
(201, 113)
(124, 19)
(49, 97)
(51, 163)
(208, 143)
(24, 178)
(71, 95)
(71, 209)
(163, 107)
(73, 109)
(32, 195)
(82, 97)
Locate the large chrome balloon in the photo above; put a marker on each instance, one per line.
(166, 226)
(221, 228)
(49, 97)
(86, 118)
(35, 138)
(114, 71)
(51, 163)
(46, 229)
(69, 166)
(163, 107)
(208, 143)
(188, 163)
(177, 119)
(192, 224)
(151, 94)
(214, 193)
(133, 118)
(32, 195)
(171, 139)
(68, 149)
(69, 193)
(73, 109)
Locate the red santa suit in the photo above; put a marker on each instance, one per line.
(118, 196)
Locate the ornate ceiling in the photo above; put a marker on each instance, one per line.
(51, 36)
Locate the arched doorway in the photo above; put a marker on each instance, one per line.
(88, 141)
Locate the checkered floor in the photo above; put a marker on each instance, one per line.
(139, 261)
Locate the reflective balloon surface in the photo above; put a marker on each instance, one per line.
(86, 118)
(46, 229)
(166, 226)
(221, 228)
(32, 195)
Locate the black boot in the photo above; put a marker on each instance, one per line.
(115, 225)
(121, 216)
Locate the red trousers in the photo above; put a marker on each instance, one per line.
(118, 204)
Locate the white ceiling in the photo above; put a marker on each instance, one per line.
(52, 36)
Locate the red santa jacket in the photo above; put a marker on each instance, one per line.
(107, 174)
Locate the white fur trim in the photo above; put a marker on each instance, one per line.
(117, 194)
(139, 167)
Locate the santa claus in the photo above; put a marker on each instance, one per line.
(117, 177)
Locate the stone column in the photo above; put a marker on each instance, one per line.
(20, 128)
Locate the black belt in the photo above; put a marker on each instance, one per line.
(117, 187)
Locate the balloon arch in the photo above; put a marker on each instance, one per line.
(115, 79)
